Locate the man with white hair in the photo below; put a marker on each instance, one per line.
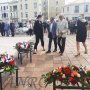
(62, 28)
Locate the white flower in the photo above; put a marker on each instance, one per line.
(78, 75)
(63, 76)
(54, 70)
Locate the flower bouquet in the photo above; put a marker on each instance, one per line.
(22, 46)
(68, 75)
(7, 63)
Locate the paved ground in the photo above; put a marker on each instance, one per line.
(7, 43)
(43, 63)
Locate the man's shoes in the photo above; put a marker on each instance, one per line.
(54, 50)
(59, 51)
(61, 54)
(85, 52)
(48, 52)
(34, 53)
(77, 55)
(43, 50)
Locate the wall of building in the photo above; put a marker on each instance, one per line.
(34, 7)
(29, 9)
(6, 11)
(13, 8)
(69, 10)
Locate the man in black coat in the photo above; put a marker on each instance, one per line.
(38, 31)
(12, 28)
(2, 28)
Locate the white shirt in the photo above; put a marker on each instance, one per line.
(62, 27)
(29, 26)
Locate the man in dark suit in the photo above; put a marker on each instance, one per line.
(12, 28)
(2, 28)
(38, 31)
(52, 35)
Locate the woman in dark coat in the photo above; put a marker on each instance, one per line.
(38, 31)
(81, 34)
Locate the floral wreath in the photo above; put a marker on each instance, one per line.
(69, 75)
(22, 45)
(7, 62)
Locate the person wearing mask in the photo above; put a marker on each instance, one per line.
(12, 28)
(52, 35)
(38, 31)
(62, 28)
(81, 34)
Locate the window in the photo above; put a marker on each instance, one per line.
(56, 2)
(26, 14)
(76, 9)
(44, 3)
(21, 6)
(11, 15)
(26, 6)
(7, 15)
(4, 15)
(35, 5)
(10, 8)
(15, 8)
(56, 9)
(1, 7)
(67, 9)
(86, 8)
(21, 14)
(35, 14)
(4, 7)
(63, 10)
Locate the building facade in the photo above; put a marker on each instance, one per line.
(23, 10)
(4, 11)
(54, 7)
(29, 9)
(9, 10)
(13, 8)
(75, 9)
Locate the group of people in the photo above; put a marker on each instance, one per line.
(57, 33)
(6, 28)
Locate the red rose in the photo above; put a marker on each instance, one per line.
(59, 78)
(59, 70)
(67, 71)
(11, 62)
(72, 80)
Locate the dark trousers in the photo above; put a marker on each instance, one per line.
(50, 42)
(61, 43)
(37, 41)
(30, 32)
(12, 32)
(2, 32)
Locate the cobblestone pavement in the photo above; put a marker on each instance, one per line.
(43, 63)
